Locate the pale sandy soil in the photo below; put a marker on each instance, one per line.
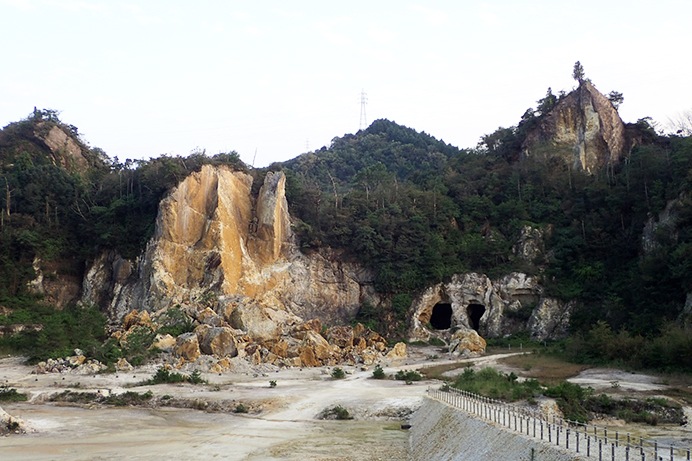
(284, 427)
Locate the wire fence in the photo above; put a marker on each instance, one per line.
(586, 440)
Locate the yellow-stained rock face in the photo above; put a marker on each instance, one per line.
(230, 262)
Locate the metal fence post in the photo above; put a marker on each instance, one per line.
(600, 450)
(567, 438)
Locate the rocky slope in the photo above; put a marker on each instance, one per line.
(230, 262)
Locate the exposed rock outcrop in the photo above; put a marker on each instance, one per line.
(65, 151)
(215, 244)
(496, 308)
(584, 129)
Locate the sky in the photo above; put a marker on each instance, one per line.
(274, 79)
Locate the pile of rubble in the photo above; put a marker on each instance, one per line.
(306, 344)
(77, 364)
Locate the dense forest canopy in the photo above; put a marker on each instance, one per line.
(410, 207)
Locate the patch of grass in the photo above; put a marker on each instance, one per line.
(546, 368)
(118, 400)
(497, 385)
(433, 341)
(8, 394)
(165, 376)
(128, 398)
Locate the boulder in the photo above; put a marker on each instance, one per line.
(164, 343)
(217, 341)
(76, 360)
(257, 321)
(341, 336)
(370, 356)
(308, 358)
(467, 342)
(397, 352)
(321, 348)
(187, 347)
(135, 318)
(311, 325)
(123, 365)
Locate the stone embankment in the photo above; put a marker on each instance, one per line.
(456, 425)
(442, 432)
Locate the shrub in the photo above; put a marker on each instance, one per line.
(571, 399)
(378, 373)
(240, 408)
(272, 384)
(8, 394)
(175, 322)
(408, 376)
(336, 412)
(338, 373)
(165, 376)
(196, 378)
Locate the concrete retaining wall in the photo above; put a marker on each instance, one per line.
(440, 432)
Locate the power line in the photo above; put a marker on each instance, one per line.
(363, 102)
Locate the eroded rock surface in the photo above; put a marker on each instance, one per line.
(493, 308)
(217, 244)
(584, 129)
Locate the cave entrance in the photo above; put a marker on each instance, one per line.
(441, 317)
(475, 312)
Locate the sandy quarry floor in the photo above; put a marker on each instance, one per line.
(283, 427)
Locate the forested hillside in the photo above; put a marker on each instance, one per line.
(410, 207)
(417, 211)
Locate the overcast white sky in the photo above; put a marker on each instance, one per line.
(141, 79)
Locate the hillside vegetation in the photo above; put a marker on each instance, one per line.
(410, 207)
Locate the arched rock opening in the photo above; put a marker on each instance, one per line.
(441, 317)
(475, 312)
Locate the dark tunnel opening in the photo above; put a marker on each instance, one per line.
(441, 317)
(475, 312)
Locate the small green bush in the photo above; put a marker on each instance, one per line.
(272, 384)
(165, 376)
(337, 412)
(338, 373)
(408, 375)
(378, 373)
(240, 408)
(196, 378)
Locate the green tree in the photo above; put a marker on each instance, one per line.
(578, 72)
